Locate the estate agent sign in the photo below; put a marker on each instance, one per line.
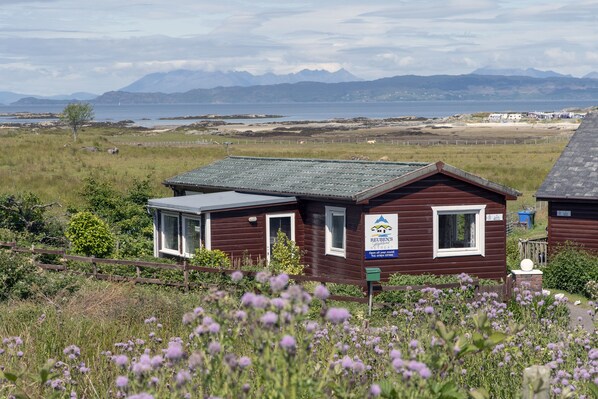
(381, 236)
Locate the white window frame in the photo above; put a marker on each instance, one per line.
(330, 250)
(278, 215)
(162, 235)
(480, 234)
(183, 234)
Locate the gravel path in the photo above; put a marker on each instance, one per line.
(576, 313)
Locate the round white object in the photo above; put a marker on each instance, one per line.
(527, 265)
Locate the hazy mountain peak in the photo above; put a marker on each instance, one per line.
(183, 80)
(529, 72)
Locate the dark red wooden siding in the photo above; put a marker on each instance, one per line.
(320, 264)
(413, 204)
(233, 234)
(581, 227)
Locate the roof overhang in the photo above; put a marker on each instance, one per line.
(429, 170)
(217, 202)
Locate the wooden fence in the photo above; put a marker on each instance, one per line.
(503, 290)
(536, 250)
(361, 140)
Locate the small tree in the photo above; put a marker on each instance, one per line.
(90, 235)
(76, 115)
(286, 256)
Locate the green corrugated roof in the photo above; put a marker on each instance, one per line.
(302, 177)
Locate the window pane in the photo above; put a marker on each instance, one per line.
(456, 230)
(170, 229)
(192, 235)
(338, 230)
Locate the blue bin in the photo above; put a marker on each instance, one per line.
(527, 217)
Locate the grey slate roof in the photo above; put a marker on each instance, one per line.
(216, 201)
(336, 179)
(575, 173)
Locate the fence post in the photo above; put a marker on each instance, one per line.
(94, 267)
(138, 270)
(536, 382)
(186, 275)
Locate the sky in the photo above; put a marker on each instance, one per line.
(50, 47)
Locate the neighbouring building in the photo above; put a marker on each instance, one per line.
(571, 189)
(346, 215)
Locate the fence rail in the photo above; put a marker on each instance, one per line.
(369, 141)
(187, 284)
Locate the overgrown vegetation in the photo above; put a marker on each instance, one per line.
(571, 268)
(286, 256)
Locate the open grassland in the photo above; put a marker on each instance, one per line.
(48, 163)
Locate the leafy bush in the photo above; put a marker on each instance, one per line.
(210, 258)
(286, 256)
(90, 235)
(592, 289)
(513, 257)
(570, 268)
(17, 276)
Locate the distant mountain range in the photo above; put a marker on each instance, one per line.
(342, 86)
(8, 97)
(183, 80)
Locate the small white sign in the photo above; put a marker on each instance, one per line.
(566, 214)
(494, 217)
(198, 229)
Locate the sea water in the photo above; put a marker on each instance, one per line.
(150, 114)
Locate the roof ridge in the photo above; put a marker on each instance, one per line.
(331, 160)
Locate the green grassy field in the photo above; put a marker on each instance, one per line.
(48, 163)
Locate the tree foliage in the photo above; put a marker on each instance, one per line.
(26, 215)
(90, 235)
(76, 115)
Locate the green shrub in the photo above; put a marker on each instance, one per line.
(18, 276)
(513, 257)
(90, 235)
(592, 289)
(210, 258)
(286, 256)
(570, 268)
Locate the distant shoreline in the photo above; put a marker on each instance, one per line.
(216, 116)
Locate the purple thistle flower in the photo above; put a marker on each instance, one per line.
(347, 362)
(429, 310)
(398, 364)
(288, 343)
(244, 362)
(121, 360)
(122, 381)
(174, 351)
(262, 277)
(150, 320)
(337, 315)
(189, 318)
(375, 390)
(214, 328)
(144, 365)
(195, 360)
(156, 361)
(241, 315)
(395, 354)
(182, 377)
(277, 283)
(142, 395)
(420, 368)
(236, 276)
(72, 351)
(413, 344)
(269, 319)
(214, 347)
(321, 292)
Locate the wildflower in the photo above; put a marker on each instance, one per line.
(428, 310)
(122, 381)
(398, 364)
(347, 362)
(244, 362)
(395, 354)
(121, 360)
(143, 365)
(142, 395)
(269, 319)
(236, 276)
(150, 320)
(156, 361)
(174, 351)
(375, 390)
(182, 377)
(277, 283)
(241, 315)
(214, 347)
(72, 351)
(262, 277)
(311, 326)
(337, 315)
(214, 328)
(321, 292)
(420, 368)
(189, 318)
(195, 360)
(288, 343)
